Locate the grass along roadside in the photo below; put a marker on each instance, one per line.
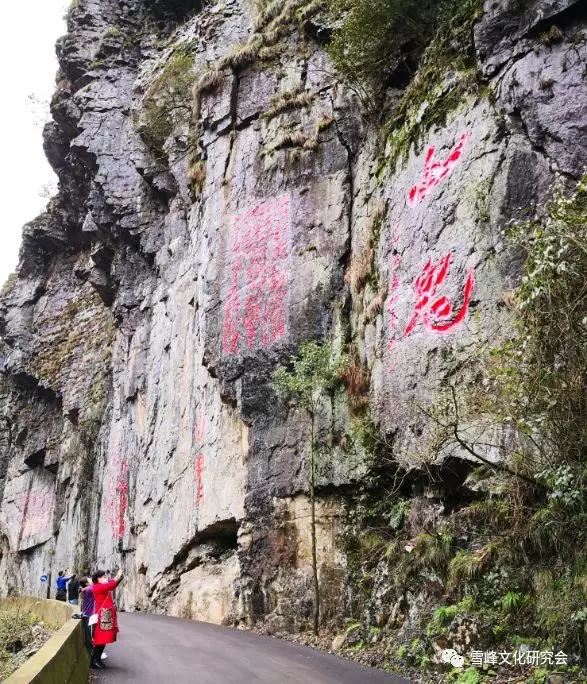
(22, 634)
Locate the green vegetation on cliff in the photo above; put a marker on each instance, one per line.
(424, 48)
(504, 563)
(379, 42)
(167, 103)
(314, 373)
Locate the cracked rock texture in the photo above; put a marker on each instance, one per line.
(148, 312)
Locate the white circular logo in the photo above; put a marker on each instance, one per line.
(449, 655)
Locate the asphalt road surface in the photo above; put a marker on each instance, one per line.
(163, 650)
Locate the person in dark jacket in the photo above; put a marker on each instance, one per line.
(62, 580)
(73, 590)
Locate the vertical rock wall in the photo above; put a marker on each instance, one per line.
(167, 281)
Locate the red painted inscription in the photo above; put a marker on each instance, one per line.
(255, 309)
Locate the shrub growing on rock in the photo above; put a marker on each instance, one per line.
(378, 42)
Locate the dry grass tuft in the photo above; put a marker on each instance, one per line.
(270, 52)
(286, 15)
(375, 307)
(288, 139)
(311, 10)
(324, 123)
(242, 55)
(552, 36)
(210, 80)
(361, 267)
(359, 270)
(197, 175)
(357, 381)
(378, 214)
(271, 38)
(287, 101)
(272, 11)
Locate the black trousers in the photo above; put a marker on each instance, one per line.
(88, 636)
(61, 595)
(98, 650)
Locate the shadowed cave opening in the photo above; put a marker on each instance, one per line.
(173, 10)
(36, 459)
(223, 533)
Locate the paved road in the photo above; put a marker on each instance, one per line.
(162, 650)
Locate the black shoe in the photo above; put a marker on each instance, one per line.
(98, 665)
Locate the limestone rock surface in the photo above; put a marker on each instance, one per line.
(188, 253)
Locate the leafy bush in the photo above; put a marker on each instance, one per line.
(430, 97)
(469, 676)
(167, 102)
(378, 42)
(552, 305)
(534, 385)
(397, 514)
(314, 372)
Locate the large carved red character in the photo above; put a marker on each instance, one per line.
(434, 172)
(437, 313)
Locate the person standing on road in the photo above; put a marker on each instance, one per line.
(73, 590)
(87, 608)
(61, 583)
(106, 628)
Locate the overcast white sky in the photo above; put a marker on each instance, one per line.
(27, 67)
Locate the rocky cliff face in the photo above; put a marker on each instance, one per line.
(221, 200)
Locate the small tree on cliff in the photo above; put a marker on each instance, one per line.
(314, 374)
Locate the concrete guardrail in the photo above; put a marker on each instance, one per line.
(64, 659)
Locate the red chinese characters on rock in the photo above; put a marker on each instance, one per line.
(199, 472)
(434, 172)
(37, 506)
(394, 287)
(117, 499)
(199, 433)
(199, 428)
(393, 299)
(430, 308)
(255, 308)
(434, 312)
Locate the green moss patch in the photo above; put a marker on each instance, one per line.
(447, 74)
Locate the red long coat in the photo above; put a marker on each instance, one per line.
(104, 602)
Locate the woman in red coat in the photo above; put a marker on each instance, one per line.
(106, 628)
